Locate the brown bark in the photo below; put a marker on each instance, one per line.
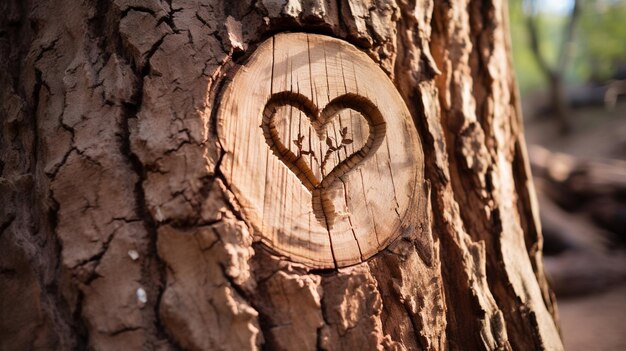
(119, 231)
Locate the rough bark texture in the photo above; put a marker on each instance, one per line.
(118, 231)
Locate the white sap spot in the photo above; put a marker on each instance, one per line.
(142, 297)
(158, 215)
(134, 255)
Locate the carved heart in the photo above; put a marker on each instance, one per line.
(319, 119)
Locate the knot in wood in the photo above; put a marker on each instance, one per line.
(321, 151)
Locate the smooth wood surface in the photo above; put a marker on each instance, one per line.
(321, 152)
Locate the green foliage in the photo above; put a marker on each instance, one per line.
(599, 42)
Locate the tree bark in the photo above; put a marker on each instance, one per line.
(118, 229)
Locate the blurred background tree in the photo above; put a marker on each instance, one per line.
(580, 46)
(601, 47)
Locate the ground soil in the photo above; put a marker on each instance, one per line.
(595, 321)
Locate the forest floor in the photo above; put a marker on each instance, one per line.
(596, 321)
(592, 320)
(597, 133)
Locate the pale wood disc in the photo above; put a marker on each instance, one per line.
(320, 150)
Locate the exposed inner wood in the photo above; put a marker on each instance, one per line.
(324, 158)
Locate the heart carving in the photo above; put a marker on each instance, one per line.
(323, 207)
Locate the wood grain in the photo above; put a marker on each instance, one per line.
(320, 150)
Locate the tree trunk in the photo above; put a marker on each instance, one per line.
(558, 102)
(555, 76)
(121, 229)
